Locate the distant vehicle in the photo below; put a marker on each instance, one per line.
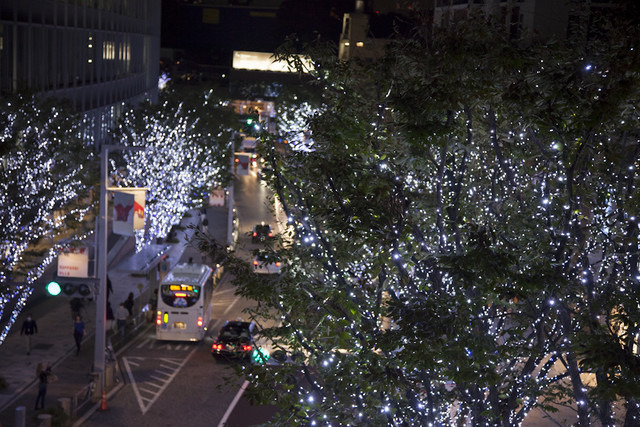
(261, 232)
(235, 340)
(249, 146)
(235, 227)
(266, 263)
(184, 303)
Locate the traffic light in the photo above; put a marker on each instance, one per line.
(72, 286)
(53, 288)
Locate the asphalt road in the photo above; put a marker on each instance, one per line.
(177, 383)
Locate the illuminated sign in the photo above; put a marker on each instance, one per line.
(181, 288)
(264, 61)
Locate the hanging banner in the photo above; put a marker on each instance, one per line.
(73, 262)
(140, 195)
(217, 197)
(123, 204)
(243, 164)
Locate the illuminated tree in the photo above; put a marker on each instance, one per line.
(46, 174)
(48, 167)
(465, 234)
(187, 154)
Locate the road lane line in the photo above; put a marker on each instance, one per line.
(144, 342)
(234, 402)
(231, 305)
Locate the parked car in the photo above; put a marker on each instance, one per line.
(266, 263)
(261, 232)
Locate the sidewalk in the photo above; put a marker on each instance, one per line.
(54, 342)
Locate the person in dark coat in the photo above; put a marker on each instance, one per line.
(29, 329)
(42, 373)
(128, 304)
(110, 316)
(109, 288)
(78, 332)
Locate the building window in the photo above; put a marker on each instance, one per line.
(108, 50)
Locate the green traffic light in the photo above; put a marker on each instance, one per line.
(53, 288)
(249, 121)
(260, 356)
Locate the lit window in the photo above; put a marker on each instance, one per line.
(346, 43)
(108, 50)
(359, 44)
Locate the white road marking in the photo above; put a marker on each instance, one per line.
(234, 402)
(230, 305)
(143, 401)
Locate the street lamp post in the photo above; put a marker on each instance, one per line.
(101, 307)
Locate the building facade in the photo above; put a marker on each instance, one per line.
(541, 19)
(96, 54)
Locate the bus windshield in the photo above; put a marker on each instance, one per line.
(179, 295)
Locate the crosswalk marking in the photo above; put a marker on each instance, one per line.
(159, 379)
(151, 343)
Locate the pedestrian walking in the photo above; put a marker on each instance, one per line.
(29, 329)
(128, 304)
(109, 288)
(78, 332)
(42, 373)
(163, 268)
(110, 316)
(121, 317)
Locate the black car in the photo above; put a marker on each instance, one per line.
(235, 340)
(261, 232)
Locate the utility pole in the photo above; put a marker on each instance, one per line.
(101, 303)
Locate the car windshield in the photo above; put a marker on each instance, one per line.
(263, 230)
(266, 257)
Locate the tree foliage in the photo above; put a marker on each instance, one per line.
(187, 153)
(465, 235)
(46, 174)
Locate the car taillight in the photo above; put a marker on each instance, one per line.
(255, 263)
(217, 346)
(270, 234)
(246, 348)
(199, 321)
(277, 263)
(255, 234)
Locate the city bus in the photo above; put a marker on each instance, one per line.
(184, 302)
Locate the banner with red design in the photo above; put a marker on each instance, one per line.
(138, 205)
(123, 205)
